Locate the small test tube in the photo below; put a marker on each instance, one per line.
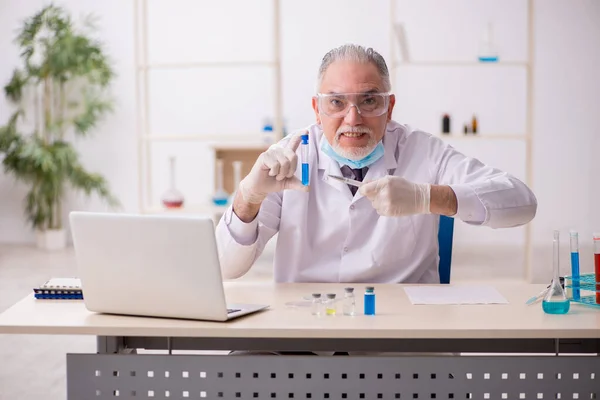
(597, 264)
(370, 300)
(331, 305)
(316, 304)
(304, 159)
(575, 264)
(349, 304)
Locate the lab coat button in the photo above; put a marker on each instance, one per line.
(345, 249)
(352, 207)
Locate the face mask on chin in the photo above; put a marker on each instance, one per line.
(373, 156)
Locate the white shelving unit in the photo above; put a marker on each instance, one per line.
(486, 136)
(526, 137)
(238, 141)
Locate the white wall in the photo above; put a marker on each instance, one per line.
(567, 126)
(567, 92)
(111, 150)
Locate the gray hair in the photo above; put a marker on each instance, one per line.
(356, 53)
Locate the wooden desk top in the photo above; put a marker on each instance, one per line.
(396, 317)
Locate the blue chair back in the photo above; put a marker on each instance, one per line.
(445, 236)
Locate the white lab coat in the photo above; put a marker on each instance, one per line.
(328, 235)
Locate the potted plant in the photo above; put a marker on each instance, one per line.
(59, 93)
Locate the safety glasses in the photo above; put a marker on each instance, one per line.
(337, 105)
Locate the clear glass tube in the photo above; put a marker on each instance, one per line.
(330, 305)
(220, 197)
(317, 304)
(370, 300)
(304, 160)
(349, 304)
(575, 265)
(555, 301)
(237, 177)
(237, 174)
(597, 265)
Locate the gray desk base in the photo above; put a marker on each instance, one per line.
(114, 373)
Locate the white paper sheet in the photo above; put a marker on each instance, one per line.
(445, 294)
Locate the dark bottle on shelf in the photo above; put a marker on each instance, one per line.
(474, 124)
(446, 124)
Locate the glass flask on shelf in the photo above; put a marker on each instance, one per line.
(555, 301)
(487, 49)
(172, 198)
(220, 197)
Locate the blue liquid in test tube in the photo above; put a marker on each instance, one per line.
(304, 159)
(575, 264)
(370, 301)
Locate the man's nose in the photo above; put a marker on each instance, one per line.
(353, 117)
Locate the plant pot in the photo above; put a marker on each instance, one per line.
(52, 239)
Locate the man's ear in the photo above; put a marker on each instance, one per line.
(391, 107)
(315, 106)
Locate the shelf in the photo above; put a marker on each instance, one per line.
(199, 209)
(208, 64)
(459, 64)
(484, 136)
(249, 137)
(239, 146)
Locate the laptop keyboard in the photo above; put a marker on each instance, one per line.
(232, 310)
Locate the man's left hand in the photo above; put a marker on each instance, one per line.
(393, 196)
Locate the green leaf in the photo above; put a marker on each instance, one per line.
(91, 183)
(9, 137)
(94, 109)
(14, 88)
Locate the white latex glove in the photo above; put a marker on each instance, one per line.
(393, 196)
(273, 171)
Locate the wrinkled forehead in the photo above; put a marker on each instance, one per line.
(351, 77)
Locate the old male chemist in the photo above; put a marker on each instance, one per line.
(385, 232)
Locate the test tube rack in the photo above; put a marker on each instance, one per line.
(586, 284)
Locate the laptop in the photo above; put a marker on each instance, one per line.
(151, 265)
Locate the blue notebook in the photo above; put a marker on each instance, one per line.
(60, 289)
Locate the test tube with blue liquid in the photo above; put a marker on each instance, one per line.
(575, 264)
(369, 300)
(304, 159)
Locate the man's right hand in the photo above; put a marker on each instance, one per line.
(273, 172)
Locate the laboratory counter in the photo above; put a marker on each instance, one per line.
(518, 339)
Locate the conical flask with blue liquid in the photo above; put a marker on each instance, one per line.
(555, 301)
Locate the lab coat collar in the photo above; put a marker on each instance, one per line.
(384, 166)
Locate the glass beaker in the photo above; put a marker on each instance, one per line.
(220, 197)
(172, 198)
(555, 301)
